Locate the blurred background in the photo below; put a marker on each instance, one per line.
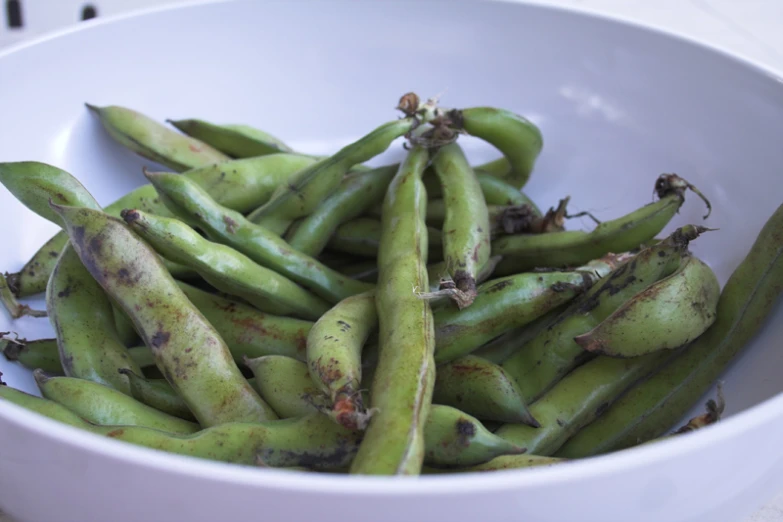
(748, 28)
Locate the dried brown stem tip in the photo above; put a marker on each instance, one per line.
(715, 410)
(667, 184)
(11, 348)
(409, 104)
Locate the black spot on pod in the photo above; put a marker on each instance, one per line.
(160, 338)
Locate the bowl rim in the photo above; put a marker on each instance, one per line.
(445, 485)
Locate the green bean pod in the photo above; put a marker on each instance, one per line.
(334, 356)
(313, 441)
(193, 205)
(44, 354)
(466, 224)
(578, 399)
(481, 388)
(504, 346)
(303, 194)
(517, 138)
(34, 275)
(553, 353)
(509, 302)
(285, 384)
(187, 349)
(655, 405)
(102, 405)
(240, 185)
(573, 247)
(402, 387)
(362, 236)
(499, 193)
(81, 314)
(225, 268)
(15, 308)
(40, 353)
(248, 332)
(453, 438)
(667, 314)
(237, 141)
(154, 141)
(511, 462)
(157, 394)
(352, 198)
(126, 332)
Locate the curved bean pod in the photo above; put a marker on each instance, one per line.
(553, 353)
(509, 302)
(653, 406)
(248, 332)
(334, 356)
(81, 314)
(362, 236)
(152, 140)
(312, 442)
(517, 138)
(352, 198)
(505, 462)
(574, 247)
(238, 141)
(102, 405)
(34, 275)
(453, 438)
(193, 204)
(44, 354)
(157, 394)
(225, 268)
(285, 384)
(499, 193)
(188, 350)
(304, 193)
(481, 388)
(667, 314)
(15, 308)
(466, 224)
(578, 399)
(402, 386)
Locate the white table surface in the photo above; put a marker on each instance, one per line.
(747, 28)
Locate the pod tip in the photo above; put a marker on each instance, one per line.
(92, 107)
(41, 377)
(130, 215)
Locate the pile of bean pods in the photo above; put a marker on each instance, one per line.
(261, 306)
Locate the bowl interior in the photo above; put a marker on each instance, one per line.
(617, 105)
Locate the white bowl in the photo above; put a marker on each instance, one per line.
(617, 103)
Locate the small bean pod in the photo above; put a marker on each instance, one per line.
(517, 138)
(666, 315)
(285, 384)
(466, 232)
(362, 236)
(158, 394)
(225, 268)
(154, 141)
(578, 399)
(237, 141)
(102, 405)
(574, 247)
(303, 195)
(334, 356)
(481, 388)
(352, 198)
